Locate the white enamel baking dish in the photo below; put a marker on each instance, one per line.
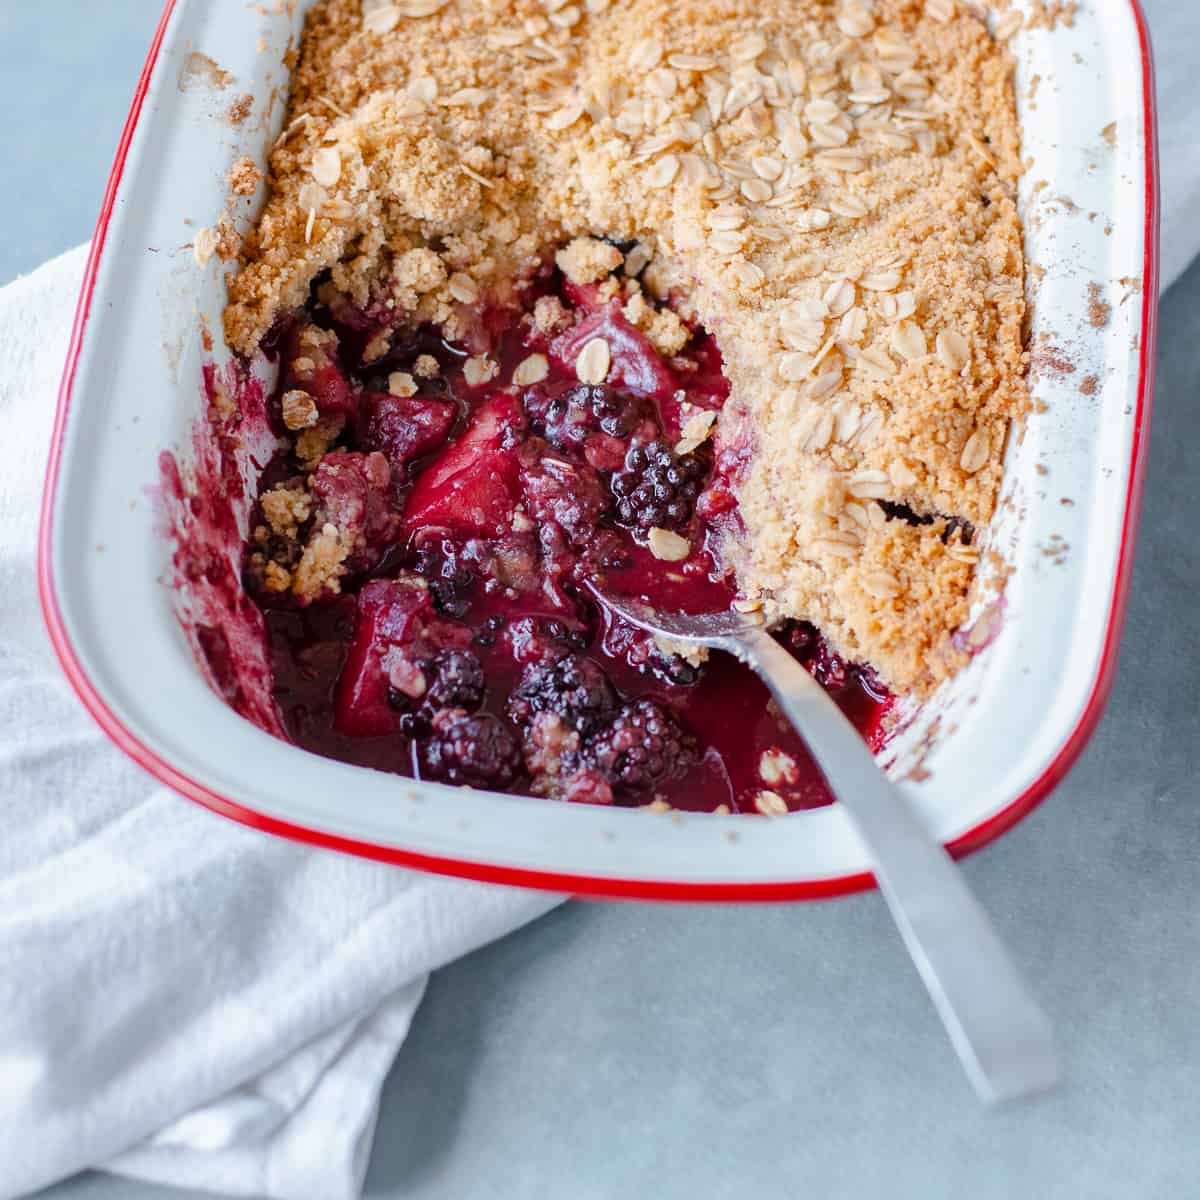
(976, 758)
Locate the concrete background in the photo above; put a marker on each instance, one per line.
(702, 1052)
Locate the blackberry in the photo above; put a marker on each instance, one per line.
(830, 670)
(643, 748)
(455, 680)
(575, 637)
(568, 418)
(479, 751)
(564, 496)
(451, 582)
(655, 488)
(414, 724)
(450, 592)
(574, 687)
(488, 631)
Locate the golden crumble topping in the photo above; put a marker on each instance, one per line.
(320, 567)
(826, 185)
(588, 260)
(286, 509)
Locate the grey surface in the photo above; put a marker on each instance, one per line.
(702, 1052)
(67, 73)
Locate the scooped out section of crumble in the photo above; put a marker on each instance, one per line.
(423, 541)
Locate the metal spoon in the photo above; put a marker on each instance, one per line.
(1001, 1035)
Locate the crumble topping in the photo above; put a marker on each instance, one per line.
(320, 567)
(286, 509)
(662, 326)
(826, 185)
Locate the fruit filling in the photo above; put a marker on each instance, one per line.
(423, 546)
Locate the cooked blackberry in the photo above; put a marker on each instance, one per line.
(643, 748)
(657, 489)
(488, 631)
(563, 496)
(455, 680)
(413, 724)
(479, 751)
(450, 580)
(569, 417)
(573, 687)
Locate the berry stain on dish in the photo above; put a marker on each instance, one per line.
(456, 639)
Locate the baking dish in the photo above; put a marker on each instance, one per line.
(977, 756)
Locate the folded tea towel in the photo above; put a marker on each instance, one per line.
(182, 999)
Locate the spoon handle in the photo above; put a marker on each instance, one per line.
(1000, 1033)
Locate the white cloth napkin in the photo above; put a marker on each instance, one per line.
(181, 999)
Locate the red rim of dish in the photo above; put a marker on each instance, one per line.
(601, 886)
